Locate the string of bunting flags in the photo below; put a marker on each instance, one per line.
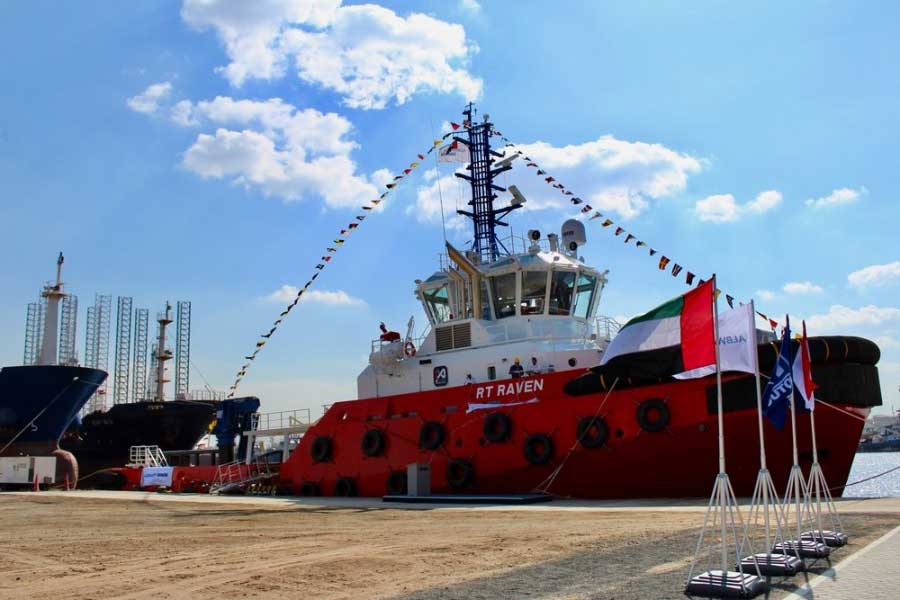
(325, 259)
(607, 223)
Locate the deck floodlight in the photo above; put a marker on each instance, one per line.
(518, 198)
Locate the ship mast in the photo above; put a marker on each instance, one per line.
(161, 353)
(53, 293)
(485, 217)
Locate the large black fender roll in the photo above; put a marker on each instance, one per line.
(396, 483)
(497, 427)
(460, 473)
(592, 432)
(320, 449)
(310, 488)
(538, 448)
(431, 436)
(373, 442)
(108, 480)
(653, 415)
(345, 486)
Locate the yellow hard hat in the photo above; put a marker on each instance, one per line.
(516, 360)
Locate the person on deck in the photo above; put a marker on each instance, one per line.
(516, 370)
(534, 368)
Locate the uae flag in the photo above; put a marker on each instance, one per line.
(674, 337)
(802, 371)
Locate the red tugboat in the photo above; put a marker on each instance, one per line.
(505, 394)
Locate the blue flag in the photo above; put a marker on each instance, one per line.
(781, 384)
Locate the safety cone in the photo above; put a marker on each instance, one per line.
(37, 486)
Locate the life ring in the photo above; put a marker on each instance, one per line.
(396, 483)
(653, 415)
(460, 473)
(310, 488)
(496, 427)
(538, 448)
(320, 450)
(431, 436)
(409, 349)
(373, 442)
(345, 486)
(592, 432)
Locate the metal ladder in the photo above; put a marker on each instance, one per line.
(146, 456)
(241, 475)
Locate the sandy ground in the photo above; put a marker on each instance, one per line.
(79, 547)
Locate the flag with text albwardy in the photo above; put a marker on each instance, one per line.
(737, 344)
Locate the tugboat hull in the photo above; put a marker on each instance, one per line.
(653, 440)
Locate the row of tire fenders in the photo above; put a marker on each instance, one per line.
(592, 432)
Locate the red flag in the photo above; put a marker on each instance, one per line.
(455, 126)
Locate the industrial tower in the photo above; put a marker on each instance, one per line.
(123, 350)
(141, 321)
(161, 354)
(183, 350)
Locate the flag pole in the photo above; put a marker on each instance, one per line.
(759, 416)
(723, 506)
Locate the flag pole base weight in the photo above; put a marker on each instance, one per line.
(832, 539)
(806, 549)
(773, 565)
(730, 584)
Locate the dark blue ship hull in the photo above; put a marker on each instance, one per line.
(37, 404)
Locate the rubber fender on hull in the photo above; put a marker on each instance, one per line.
(497, 427)
(373, 442)
(653, 415)
(345, 486)
(538, 448)
(396, 483)
(460, 473)
(431, 435)
(657, 366)
(320, 449)
(592, 432)
(310, 488)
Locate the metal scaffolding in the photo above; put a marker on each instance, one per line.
(123, 350)
(96, 345)
(141, 321)
(68, 327)
(182, 349)
(34, 331)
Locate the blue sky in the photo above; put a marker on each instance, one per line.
(210, 151)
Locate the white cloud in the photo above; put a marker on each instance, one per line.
(470, 6)
(283, 151)
(765, 295)
(147, 102)
(366, 53)
(427, 208)
(719, 208)
(837, 197)
(723, 208)
(875, 275)
(802, 287)
(840, 318)
(287, 293)
(610, 174)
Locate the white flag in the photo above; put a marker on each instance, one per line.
(737, 344)
(454, 152)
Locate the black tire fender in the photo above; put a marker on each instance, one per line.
(497, 427)
(647, 408)
(538, 448)
(431, 435)
(373, 442)
(320, 449)
(592, 432)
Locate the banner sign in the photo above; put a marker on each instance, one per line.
(156, 476)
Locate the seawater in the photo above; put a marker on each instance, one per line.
(867, 464)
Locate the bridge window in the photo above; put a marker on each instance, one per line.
(438, 303)
(534, 290)
(503, 288)
(561, 285)
(584, 295)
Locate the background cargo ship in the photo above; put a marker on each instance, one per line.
(39, 400)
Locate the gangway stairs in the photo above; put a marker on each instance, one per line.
(146, 456)
(242, 475)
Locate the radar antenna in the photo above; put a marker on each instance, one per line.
(481, 179)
